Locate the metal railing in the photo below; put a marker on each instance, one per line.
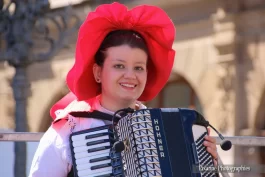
(236, 140)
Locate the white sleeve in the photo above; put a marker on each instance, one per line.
(48, 161)
(52, 156)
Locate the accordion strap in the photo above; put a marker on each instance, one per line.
(95, 114)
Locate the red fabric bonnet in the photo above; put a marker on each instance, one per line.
(151, 22)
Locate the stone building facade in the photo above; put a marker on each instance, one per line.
(219, 70)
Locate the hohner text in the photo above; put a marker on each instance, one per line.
(159, 138)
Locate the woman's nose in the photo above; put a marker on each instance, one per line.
(130, 73)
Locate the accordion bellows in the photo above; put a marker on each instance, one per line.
(157, 142)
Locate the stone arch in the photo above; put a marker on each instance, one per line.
(178, 92)
(192, 62)
(47, 120)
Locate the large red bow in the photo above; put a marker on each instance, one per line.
(151, 22)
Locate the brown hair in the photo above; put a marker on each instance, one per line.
(118, 38)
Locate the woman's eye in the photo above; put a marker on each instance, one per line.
(119, 66)
(139, 68)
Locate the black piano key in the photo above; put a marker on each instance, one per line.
(100, 166)
(99, 159)
(98, 149)
(100, 142)
(201, 137)
(200, 145)
(201, 148)
(99, 135)
(207, 161)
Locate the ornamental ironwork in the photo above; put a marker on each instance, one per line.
(30, 32)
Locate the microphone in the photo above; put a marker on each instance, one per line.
(122, 113)
(118, 146)
(225, 144)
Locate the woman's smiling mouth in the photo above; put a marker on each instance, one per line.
(126, 85)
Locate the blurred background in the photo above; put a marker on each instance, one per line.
(219, 68)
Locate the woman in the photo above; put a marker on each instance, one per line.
(122, 57)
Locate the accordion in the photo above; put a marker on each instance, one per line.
(164, 142)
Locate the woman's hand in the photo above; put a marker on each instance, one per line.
(210, 144)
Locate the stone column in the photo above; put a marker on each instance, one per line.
(225, 41)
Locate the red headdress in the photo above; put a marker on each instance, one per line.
(151, 22)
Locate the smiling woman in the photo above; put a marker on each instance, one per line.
(122, 77)
(121, 69)
(122, 57)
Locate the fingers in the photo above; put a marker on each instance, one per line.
(215, 162)
(213, 152)
(210, 144)
(210, 139)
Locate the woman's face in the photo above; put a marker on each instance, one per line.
(124, 73)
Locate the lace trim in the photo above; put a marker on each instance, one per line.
(72, 122)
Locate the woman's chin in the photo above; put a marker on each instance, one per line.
(129, 98)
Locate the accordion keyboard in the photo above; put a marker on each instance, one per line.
(91, 153)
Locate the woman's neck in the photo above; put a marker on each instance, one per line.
(115, 105)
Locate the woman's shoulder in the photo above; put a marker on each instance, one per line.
(56, 131)
(74, 106)
(63, 123)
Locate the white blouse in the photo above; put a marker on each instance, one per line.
(53, 156)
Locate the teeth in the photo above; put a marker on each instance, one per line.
(128, 85)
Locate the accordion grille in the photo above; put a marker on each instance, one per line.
(140, 155)
(129, 155)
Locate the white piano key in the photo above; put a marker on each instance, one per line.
(86, 172)
(84, 141)
(86, 148)
(81, 137)
(89, 165)
(197, 131)
(98, 174)
(86, 159)
(102, 173)
(86, 154)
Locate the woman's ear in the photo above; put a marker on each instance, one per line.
(97, 73)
